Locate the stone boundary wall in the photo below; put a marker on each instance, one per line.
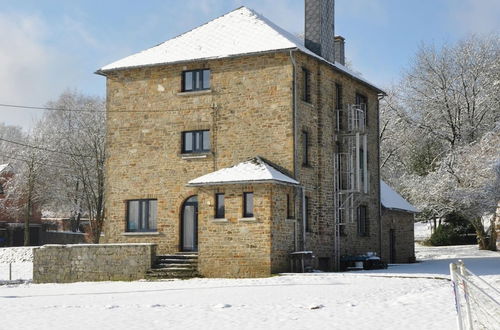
(92, 262)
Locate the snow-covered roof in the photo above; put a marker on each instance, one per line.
(3, 167)
(390, 199)
(255, 170)
(240, 32)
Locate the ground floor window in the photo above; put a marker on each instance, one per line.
(248, 205)
(141, 215)
(219, 206)
(362, 221)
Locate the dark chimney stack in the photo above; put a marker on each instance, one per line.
(319, 29)
(340, 50)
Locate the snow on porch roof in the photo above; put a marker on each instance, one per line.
(239, 32)
(255, 170)
(390, 199)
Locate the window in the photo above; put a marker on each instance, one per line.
(339, 106)
(195, 80)
(1, 189)
(306, 213)
(248, 205)
(195, 142)
(141, 215)
(362, 101)
(362, 221)
(219, 206)
(289, 207)
(306, 92)
(305, 148)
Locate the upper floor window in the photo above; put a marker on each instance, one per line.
(141, 215)
(195, 80)
(248, 205)
(305, 148)
(219, 206)
(362, 101)
(195, 141)
(306, 87)
(338, 96)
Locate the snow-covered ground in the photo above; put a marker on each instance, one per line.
(422, 230)
(415, 296)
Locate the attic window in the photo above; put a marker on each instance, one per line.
(195, 80)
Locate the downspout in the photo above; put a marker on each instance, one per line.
(380, 97)
(295, 139)
(303, 218)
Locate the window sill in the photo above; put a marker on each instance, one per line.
(195, 155)
(141, 233)
(248, 219)
(194, 93)
(309, 104)
(289, 220)
(220, 220)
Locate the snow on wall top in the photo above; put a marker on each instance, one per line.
(3, 167)
(390, 199)
(252, 170)
(242, 31)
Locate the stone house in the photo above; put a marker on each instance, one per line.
(241, 142)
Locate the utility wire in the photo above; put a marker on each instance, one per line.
(21, 107)
(43, 148)
(16, 157)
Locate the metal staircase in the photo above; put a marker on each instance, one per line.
(350, 167)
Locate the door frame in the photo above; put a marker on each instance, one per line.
(185, 203)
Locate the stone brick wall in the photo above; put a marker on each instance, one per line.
(234, 246)
(283, 228)
(248, 112)
(91, 262)
(403, 224)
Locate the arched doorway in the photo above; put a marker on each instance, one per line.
(189, 225)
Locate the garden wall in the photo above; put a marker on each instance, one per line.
(92, 262)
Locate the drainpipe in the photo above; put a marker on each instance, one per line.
(295, 139)
(303, 218)
(380, 97)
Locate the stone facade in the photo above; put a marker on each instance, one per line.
(401, 224)
(254, 108)
(89, 262)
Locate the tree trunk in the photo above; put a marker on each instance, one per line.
(492, 244)
(482, 241)
(27, 220)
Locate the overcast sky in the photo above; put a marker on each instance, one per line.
(48, 46)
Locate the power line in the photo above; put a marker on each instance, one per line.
(43, 148)
(21, 107)
(16, 157)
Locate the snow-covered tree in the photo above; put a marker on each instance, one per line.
(77, 130)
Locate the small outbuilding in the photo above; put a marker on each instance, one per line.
(398, 218)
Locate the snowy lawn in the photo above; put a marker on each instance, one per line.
(382, 299)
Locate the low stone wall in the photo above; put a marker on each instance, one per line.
(92, 262)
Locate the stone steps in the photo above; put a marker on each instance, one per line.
(179, 265)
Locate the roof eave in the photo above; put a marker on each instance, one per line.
(106, 71)
(222, 183)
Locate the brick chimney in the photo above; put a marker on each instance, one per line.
(319, 29)
(340, 50)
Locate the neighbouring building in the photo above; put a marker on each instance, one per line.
(398, 226)
(241, 142)
(12, 214)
